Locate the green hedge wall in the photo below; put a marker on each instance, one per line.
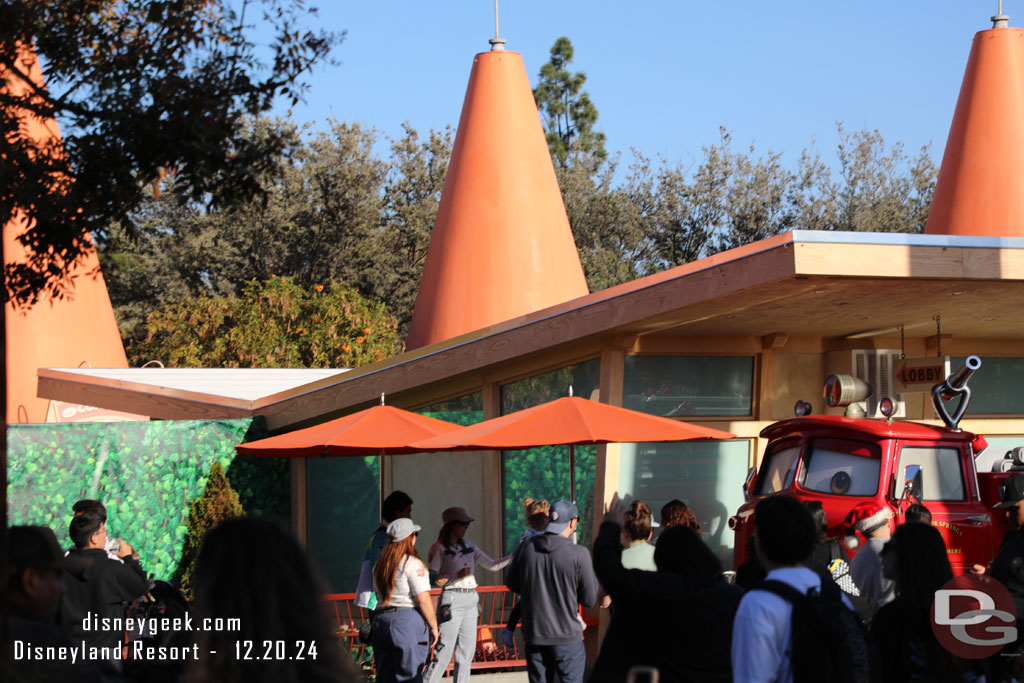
(146, 473)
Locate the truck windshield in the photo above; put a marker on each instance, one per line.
(777, 469)
(841, 467)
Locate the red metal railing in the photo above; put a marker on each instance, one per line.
(496, 603)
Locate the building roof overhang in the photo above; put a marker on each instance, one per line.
(802, 283)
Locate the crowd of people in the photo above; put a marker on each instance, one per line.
(799, 609)
(91, 613)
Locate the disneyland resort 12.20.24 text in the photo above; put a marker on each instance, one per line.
(140, 649)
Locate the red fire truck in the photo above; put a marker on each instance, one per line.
(843, 461)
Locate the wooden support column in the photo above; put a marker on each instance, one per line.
(299, 501)
(494, 500)
(606, 473)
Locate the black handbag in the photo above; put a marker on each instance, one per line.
(366, 629)
(444, 612)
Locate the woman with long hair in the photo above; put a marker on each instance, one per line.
(915, 560)
(253, 570)
(404, 612)
(451, 561)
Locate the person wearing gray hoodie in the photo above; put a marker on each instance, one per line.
(554, 576)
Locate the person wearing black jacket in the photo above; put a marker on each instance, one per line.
(97, 587)
(677, 619)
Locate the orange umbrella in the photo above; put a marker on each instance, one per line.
(570, 421)
(374, 431)
(380, 430)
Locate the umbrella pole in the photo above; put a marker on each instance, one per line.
(572, 473)
(380, 477)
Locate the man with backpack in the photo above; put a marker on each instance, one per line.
(793, 627)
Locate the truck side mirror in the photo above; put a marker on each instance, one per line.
(748, 483)
(913, 483)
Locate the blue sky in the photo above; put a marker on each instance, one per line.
(665, 75)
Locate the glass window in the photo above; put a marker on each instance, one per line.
(777, 469)
(543, 473)
(995, 387)
(674, 386)
(464, 410)
(343, 504)
(706, 475)
(844, 468)
(941, 474)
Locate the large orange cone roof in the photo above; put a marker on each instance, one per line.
(501, 245)
(77, 330)
(979, 186)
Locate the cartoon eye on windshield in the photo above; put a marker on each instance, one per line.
(840, 483)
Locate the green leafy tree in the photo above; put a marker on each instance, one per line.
(661, 215)
(609, 220)
(878, 188)
(568, 114)
(272, 324)
(412, 195)
(141, 87)
(217, 503)
(334, 211)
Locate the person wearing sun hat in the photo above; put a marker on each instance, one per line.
(872, 519)
(451, 561)
(405, 613)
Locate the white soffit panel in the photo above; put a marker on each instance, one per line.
(247, 384)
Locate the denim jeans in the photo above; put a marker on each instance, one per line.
(542, 661)
(457, 635)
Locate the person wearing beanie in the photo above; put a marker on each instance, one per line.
(872, 519)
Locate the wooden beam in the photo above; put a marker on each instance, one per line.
(538, 333)
(57, 386)
(494, 496)
(299, 501)
(765, 407)
(606, 473)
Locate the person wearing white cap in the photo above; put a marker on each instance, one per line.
(404, 613)
(451, 561)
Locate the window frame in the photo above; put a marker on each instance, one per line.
(755, 384)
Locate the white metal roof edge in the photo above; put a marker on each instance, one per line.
(148, 380)
(907, 239)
